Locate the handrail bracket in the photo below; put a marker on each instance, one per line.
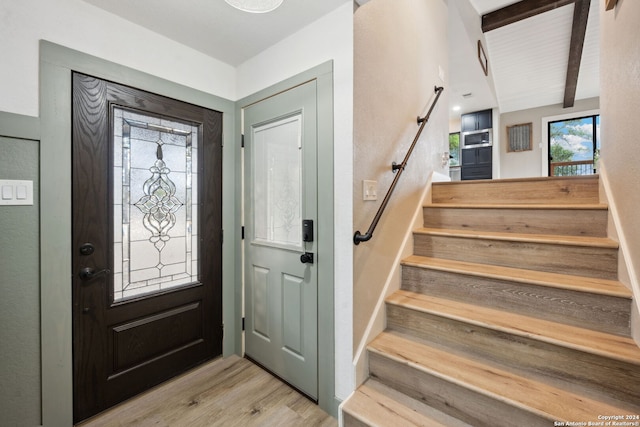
(399, 168)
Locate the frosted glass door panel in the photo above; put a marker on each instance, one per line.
(155, 204)
(277, 181)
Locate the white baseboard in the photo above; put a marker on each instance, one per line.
(627, 274)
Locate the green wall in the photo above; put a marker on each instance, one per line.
(20, 375)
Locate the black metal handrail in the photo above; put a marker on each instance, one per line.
(358, 237)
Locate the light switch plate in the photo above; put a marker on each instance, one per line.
(15, 192)
(369, 190)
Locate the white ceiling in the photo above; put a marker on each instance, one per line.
(217, 29)
(469, 89)
(528, 59)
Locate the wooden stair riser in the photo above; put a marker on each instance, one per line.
(601, 262)
(568, 190)
(564, 367)
(567, 222)
(594, 311)
(349, 420)
(449, 397)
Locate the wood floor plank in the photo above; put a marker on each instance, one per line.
(225, 392)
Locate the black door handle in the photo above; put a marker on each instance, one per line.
(306, 258)
(88, 273)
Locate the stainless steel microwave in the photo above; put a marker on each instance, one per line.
(476, 138)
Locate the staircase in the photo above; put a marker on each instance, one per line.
(510, 314)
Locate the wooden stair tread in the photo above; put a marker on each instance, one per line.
(601, 242)
(578, 206)
(599, 343)
(563, 281)
(542, 399)
(375, 404)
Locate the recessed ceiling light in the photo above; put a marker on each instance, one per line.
(255, 6)
(456, 108)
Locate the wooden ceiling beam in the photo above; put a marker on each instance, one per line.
(578, 31)
(518, 11)
(527, 8)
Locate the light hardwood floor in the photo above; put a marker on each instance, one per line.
(226, 392)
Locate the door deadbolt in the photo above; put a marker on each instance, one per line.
(87, 249)
(306, 258)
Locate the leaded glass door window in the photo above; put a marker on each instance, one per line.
(155, 204)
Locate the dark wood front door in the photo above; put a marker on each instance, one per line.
(147, 240)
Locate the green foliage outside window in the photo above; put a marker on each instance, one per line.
(560, 154)
(454, 149)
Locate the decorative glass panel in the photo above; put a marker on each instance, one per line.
(155, 204)
(277, 182)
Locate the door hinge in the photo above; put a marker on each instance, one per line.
(243, 323)
(242, 141)
(222, 330)
(221, 237)
(242, 232)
